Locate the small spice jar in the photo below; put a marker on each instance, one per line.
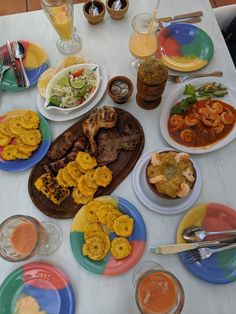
(120, 88)
(94, 19)
(117, 14)
(151, 81)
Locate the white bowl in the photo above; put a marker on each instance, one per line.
(62, 73)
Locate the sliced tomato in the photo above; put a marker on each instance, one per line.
(79, 101)
(78, 73)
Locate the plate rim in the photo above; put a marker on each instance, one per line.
(196, 271)
(44, 266)
(121, 269)
(189, 69)
(10, 88)
(192, 198)
(169, 104)
(31, 164)
(60, 117)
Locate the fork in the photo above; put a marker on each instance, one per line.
(181, 78)
(204, 253)
(6, 64)
(193, 20)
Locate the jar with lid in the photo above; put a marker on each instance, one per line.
(151, 81)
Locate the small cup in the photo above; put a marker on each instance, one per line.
(157, 290)
(94, 19)
(117, 14)
(120, 88)
(21, 238)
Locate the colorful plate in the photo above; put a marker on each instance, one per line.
(184, 47)
(57, 115)
(109, 266)
(220, 268)
(155, 202)
(35, 63)
(44, 285)
(176, 96)
(23, 164)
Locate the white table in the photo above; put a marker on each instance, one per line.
(107, 43)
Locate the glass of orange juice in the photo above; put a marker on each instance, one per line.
(143, 39)
(22, 237)
(157, 291)
(61, 15)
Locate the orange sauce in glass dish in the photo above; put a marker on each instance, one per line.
(156, 293)
(204, 123)
(24, 238)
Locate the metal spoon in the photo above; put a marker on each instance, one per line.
(117, 5)
(196, 233)
(93, 10)
(19, 52)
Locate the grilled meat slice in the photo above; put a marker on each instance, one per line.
(62, 146)
(110, 143)
(105, 117)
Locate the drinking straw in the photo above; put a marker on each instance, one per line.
(153, 17)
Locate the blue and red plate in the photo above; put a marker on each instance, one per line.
(109, 266)
(184, 47)
(39, 287)
(220, 268)
(35, 63)
(23, 164)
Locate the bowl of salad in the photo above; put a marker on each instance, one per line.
(72, 87)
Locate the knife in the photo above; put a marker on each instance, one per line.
(13, 62)
(177, 248)
(188, 21)
(180, 17)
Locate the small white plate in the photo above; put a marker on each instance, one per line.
(153, 201)
(57, 115)
(176, 96)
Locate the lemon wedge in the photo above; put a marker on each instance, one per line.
(71, 60)
(44, 79)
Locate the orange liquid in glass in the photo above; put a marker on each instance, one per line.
(142, 45)
(62, 22)
(24, 238)
(157, 293)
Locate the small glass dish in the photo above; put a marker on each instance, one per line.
(117, 14)
(22, 237)
(94, 19)
(120, 88)
(157, 290)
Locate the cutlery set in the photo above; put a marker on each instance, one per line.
(8, 60)
(198, 250)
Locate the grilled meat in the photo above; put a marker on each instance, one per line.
(105, 117)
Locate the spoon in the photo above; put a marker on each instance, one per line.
(93, 10)
(117, 5)
(19, 52)
(196, 234)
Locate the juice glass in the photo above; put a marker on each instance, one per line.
(143, 39)
(157, 291)
(22, 237)
(61, 15)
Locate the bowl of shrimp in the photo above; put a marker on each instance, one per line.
(170, 174)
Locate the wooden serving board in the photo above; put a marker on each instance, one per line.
(121, 167)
